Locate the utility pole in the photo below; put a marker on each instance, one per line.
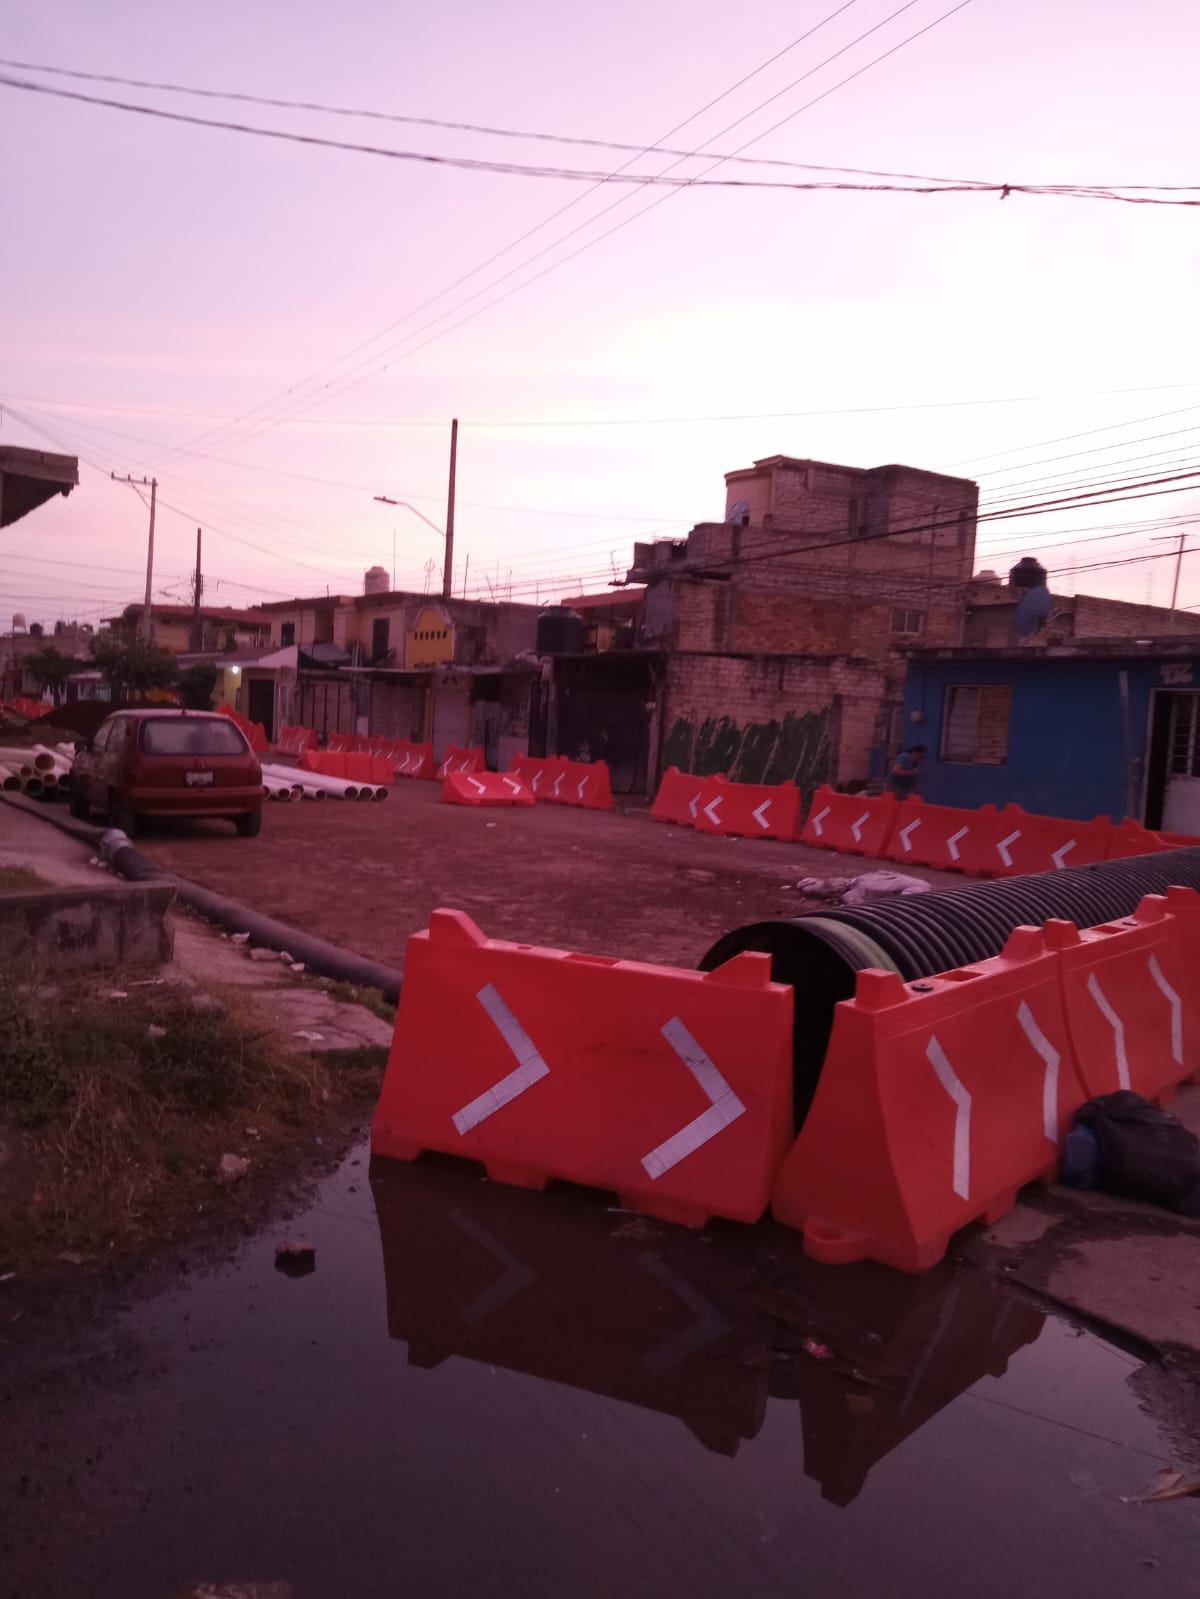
(152, 483)
(1179, 554)
(197, 640)
(448, 567)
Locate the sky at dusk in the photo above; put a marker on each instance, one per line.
(273, 329)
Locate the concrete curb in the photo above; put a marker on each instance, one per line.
(318, 954)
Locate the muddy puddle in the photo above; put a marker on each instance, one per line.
(480, 1391)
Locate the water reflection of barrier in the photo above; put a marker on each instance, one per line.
(702, 1331)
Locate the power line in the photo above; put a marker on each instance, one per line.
(351, 379)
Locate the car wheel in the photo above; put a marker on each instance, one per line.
(121, 816)
(249, 825)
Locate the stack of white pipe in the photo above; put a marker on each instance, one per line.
(316, 785)
(27, 770)
(276, 790)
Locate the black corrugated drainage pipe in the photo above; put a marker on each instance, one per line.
(920, 935)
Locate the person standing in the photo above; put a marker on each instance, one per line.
(905, 773)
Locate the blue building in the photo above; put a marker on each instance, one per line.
(1087, 729)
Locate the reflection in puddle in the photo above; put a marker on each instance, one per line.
(708, 1328)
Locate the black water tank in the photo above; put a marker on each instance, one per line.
(1029, 573)
(559, 631)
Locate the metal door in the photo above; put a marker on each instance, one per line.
(1181, 808)
(261, 704)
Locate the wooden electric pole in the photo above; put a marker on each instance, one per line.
(146, 627)
(448, 566)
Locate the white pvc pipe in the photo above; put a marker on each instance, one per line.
(339, 786)
(32, 785)
(380, 793)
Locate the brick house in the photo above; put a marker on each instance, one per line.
(781, 630)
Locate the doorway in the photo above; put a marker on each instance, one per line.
(1173, 774)
(261, 701)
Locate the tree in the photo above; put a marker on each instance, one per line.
(196, 686)
(50, 668)
(133, 666)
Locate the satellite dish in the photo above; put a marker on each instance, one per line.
(1032, 612)
(738, 514)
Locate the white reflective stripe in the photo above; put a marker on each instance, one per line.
(583, 783)
(706, 1325)
(1060, 854)
(856, 827)
(1002, 847)
(530, 1065)
(1118, 1027)
(1172, 999)
(480, 788)
(725, 1108)
(710, 810)
(512, 783)
(517, 1275)
(957, 1089)
(760, 816)
(693, 803)
(905, 831)
(557, 783)
(817, 820)
(952, 841)
(534, 781)
(1053, 1059)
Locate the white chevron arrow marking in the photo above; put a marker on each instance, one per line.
(960, 1094)
(583, 783)
(557, 784)
(1172, 999)
(760, 814)
(724, 1105)
(1002, 847)
(1059, 856)
(530, 1069)
(517, 1275)
(1118, 1027)
(1052, 1059)
(513, 784)
(480, 788)
(693, 803)
(905, 831)
(953, 841)
(710, 810)
(857, 827)
(817, 820)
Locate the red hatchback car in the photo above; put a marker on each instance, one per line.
(168, 763)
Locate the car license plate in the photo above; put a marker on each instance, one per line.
(199, 779)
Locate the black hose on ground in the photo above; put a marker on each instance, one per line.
(820, 954)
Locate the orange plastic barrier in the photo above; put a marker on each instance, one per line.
(327, 763)
(937, 1102)
(457, 759)
(585, 784)
(485, 788)
(413, 760)
(256, 733)
(342, 743)
(748, 810)
(294, 740)
(1026, 842)
(855, 824)
(678, 797)
(671, 1088)
(942, 835)
(538, 772)
(1129, 992)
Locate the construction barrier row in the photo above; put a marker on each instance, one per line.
(559, 781)
(937, 1102)
(295, 740)
(485, 788)
(461, 759)
(353, 767)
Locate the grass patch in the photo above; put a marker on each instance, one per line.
(369, 998)
(119, 1110)
(20, 880)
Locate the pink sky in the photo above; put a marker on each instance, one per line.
(161, 280)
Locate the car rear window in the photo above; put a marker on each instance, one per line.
(182, 736)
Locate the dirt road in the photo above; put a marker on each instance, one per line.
(611, 883)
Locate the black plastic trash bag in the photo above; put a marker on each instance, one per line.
(1145, 1152)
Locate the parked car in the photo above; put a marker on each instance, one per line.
(168, 763)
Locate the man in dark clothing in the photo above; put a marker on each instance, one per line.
(904, 775)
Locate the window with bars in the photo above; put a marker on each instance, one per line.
(1184, 742)
(975, 723)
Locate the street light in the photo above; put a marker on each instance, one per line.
(384, 499)
(446, 532)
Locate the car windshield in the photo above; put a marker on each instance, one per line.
(181, 735)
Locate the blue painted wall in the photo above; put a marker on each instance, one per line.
(1064, 737)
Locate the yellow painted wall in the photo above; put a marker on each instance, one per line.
(430, 642)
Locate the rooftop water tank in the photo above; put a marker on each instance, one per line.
(1028, 573)
(559, 631)
(376, 580)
